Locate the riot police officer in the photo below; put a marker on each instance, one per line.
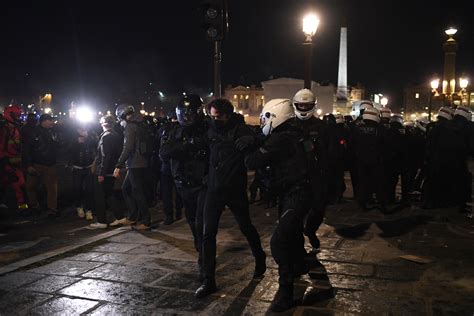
(314, 135)
(186, 147)
(368, 144)
(286, 151)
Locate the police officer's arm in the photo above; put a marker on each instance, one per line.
(172, 148)
(129, 142)
(274, 145)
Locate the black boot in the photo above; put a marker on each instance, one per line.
(208, 287)
(179, 214)
(283, 300)
(260, 266)
(313, 240)
(168, 220)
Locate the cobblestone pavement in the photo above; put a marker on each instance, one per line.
(357, 271)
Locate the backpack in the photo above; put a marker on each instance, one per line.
(146, 144)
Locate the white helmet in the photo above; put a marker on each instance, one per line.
(359, 106)
(371, 114)
(464, 112)
(274, 113)
(385, 113)
(339, 118)
(446, 113)
(304, 103)
(421, 124)
(397, 118)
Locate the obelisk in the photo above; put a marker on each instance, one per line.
(342, 73)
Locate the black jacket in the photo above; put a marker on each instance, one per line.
(83, 154)
(108, 152)
(227, 169)
(41, 148)
(130, 155)
(187, 149)
(368, 143)
(283, 151)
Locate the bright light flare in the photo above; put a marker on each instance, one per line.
(310, 24)
(384, 101)
(463, 83)
(84, 114)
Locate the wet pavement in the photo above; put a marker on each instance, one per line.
(357, 271)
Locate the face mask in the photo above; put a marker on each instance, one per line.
(218, 124)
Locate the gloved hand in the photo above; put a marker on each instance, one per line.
(244, 142)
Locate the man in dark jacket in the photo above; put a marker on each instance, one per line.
(82, 154)
(137, 167)
(108, 152)
(40, 162)
(186, 147)
(227, 185)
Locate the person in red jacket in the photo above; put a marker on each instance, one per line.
(10, 154)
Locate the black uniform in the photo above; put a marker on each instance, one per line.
(394, 156)
(336, 154)
(291, 158)
(368, 144)
(167, 186)
(186, 148)
(315, 138)
(227, 185)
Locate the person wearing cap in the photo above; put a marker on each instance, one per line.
(108, 151)
(40, 162)
(368, 144)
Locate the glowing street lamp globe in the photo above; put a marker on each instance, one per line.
(310, 25)
(463, 83)
(384, 101)
(435, 84)
(451, 31)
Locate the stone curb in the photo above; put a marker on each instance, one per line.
(53, 253)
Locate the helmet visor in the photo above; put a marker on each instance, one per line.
(304, 107)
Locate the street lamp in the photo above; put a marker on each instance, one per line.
(384, 101)
(310, 26)
(434, 91)
(463, 83)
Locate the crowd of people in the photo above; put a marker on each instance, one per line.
(201, 158)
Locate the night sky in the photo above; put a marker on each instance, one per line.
(103, 51)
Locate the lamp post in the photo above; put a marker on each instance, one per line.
(310, 26)
(384, 101)
(463, 83)
(434, 91)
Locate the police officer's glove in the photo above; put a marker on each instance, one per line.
(244, 142)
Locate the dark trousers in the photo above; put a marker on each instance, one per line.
(239, 206)
(371, 180)
(105, 199)
(133, 189)
(49, 177)
(287, 242)
(83, 188)
(168, 191)
(194, 200)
